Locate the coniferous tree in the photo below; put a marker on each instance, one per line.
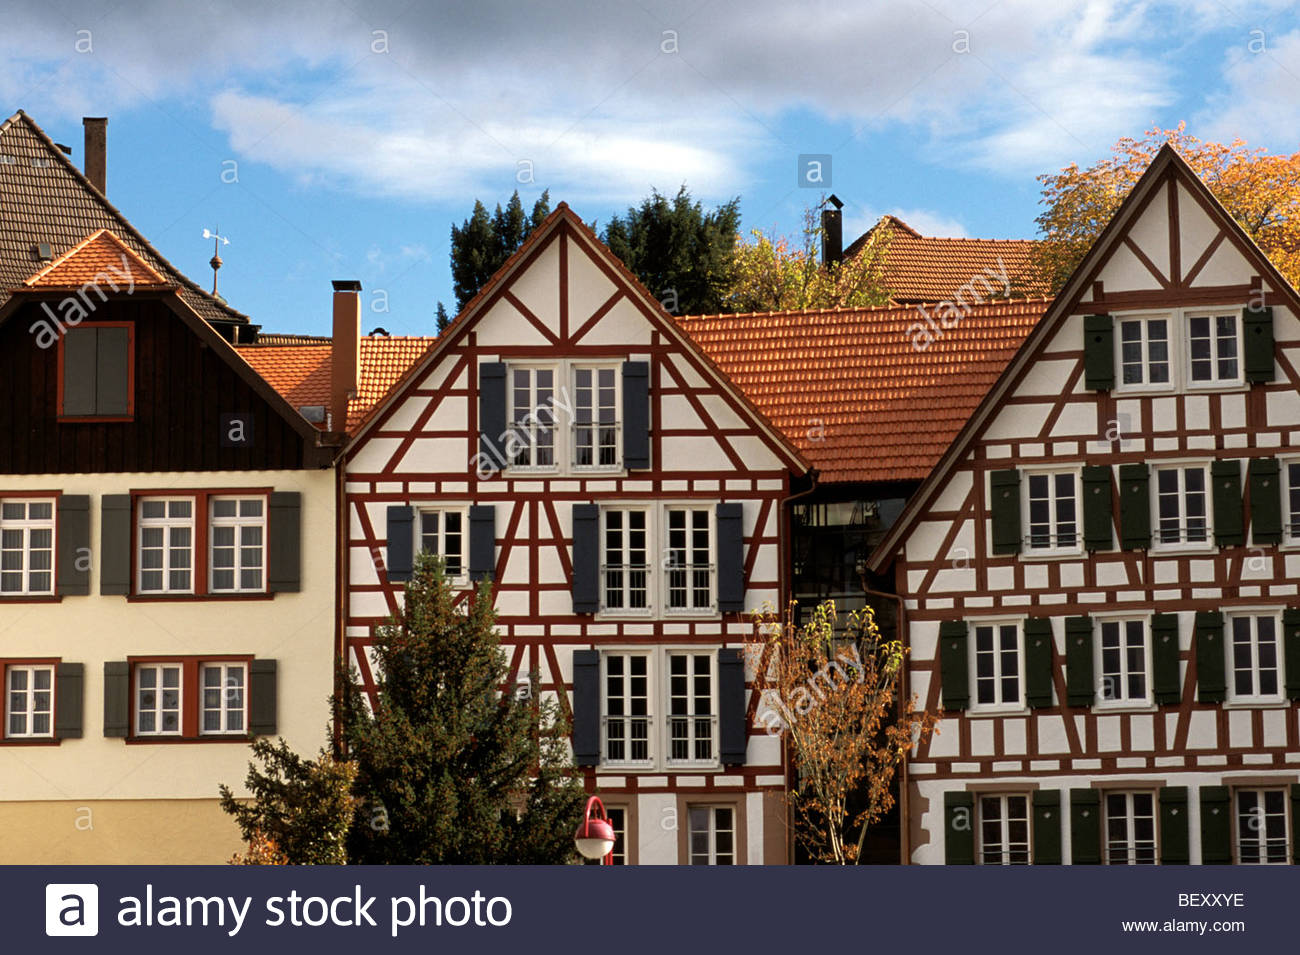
(441, 319)
(481, 244)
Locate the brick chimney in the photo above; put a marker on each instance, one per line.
(832, 232)
(345, 366)
(96, 152)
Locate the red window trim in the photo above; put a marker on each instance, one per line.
(130, 376)
(5, 664)
(202, 521)
(51, 598)
(190, 698)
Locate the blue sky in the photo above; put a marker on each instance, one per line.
(341, 139)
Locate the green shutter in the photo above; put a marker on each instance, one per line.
(1265, 501)
(1098, 352)
(69, 691)
(1134, 507)
(1167, 680)
(1257, 326)
(72, 552)
(1004, 508)
(959, 828)
(1295, 814)
(284, 533)
(1228, 524)
(262, 702)
(1211, 683)
(115, 544)
(1047, 826)
(117, 698)
(1085, 826)
(1038, 661)
(1291, 657)
(1098, 518)
(1216, 825)
(1079, 685)
(1173, 826)
(954, 667)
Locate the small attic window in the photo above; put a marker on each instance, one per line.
(313, 413)
(43, 251)
(41, 162)
(7, 160)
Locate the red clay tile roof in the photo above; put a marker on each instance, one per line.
(302, 372)
(920, 268)
(100, 255)
(850, 391)
(45, 198)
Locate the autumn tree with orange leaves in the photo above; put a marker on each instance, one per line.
(1262, 192)
(831, 689)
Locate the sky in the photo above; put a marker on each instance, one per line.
(340, 140)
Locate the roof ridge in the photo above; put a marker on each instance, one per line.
(1024, 300)
(77, 249)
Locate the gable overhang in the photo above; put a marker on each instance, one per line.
(1167, 166)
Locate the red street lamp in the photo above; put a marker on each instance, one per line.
(595, 837)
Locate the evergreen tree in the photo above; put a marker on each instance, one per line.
(482, 243)
(441, 318)
(450, 769)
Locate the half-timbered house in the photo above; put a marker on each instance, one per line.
(1100, 576)
(564, 438)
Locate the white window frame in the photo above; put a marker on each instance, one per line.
(167, 523)
(29, 711)
(648, 570)
(239, 523)
(572, 452)
(1006, 847)
(1124, 702)
(669, 569)
(25, 526)
(1180, 350)
(513, 440)
(157, 710)
(659, 705)
(711, 855)
(1054, 548)
(694, 720)
(651, 724)
(1000, 705)
(1132, 844)
(1278, 697)
(1290, 501)
(442, 510)
(1171, 342)
(1181, 545)
(226, 707)
(1261, 844)
(1188, 315)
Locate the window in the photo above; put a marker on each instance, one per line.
(166, 535)
(690, 708)
(625, 567)
(689, 559)
(1123, 648)
(627, 708)
(1213, 349)
(1261, 827)
(29, 702)
(618, 822)
(1291, 471)
(96, 371)
(442, 532)
(238, 530)
(532, 417)
(1004, 830)
(1182, 511)
(712, 835)
(1144, 351)
(223, 697)
(1053, 511)
(26, 547)
(1130, 829)
(1254, 658)
(158, 699)
(997, 665)
(595, 424)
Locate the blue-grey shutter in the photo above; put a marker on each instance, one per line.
(69, 694)
(731, 557)
(401, 542)
(492, 413)
(636, 415)
(73, 546)
(262, 702)
(586, 707)
(284, 537)
(115, 544)
(113, 371)
(482, 541)
(586, 558)
(117, 698)
(79, 351)
(732, 731)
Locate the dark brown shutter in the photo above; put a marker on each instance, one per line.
(1047, 826)
(1228, 529)
(1098, 516)
(482, 541)
(1167, 681)
(284, 534)
(1216, 825)
(1085, 826)
(1265, 501)
(1134, 506)
(1257, 328)
(959, 828)
(73, 557)
(1291, 654)
(1211, 679)
(954, 667)
(1080, 680)
(1173, 826)
(1038, 662)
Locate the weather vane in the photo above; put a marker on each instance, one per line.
(217, 242)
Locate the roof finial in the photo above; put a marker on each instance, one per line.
(215, 261)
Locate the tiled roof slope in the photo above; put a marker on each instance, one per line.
(102, 254)
(921, 268)
(302, 372)
(849, 389)
(45, 198)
